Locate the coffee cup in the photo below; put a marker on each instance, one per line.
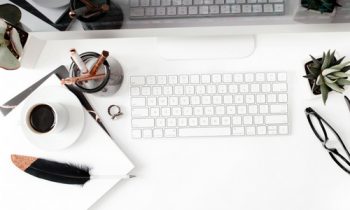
(46, 118)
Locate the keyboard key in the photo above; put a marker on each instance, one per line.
(238, 131)
(247, 8)
(150, 11)
(176, 111)
(134, 3)
(161, 80)
(228, 99)
(136, 134)
(258, 120)
(203, 10)
(142, 123)
(189, 132)
(195, 100)
(171, 122)
(231, 110)
(247, 120)
(155, 2)
(135, 91)
(250, 131)
(139, 112)
(137, 12)
(209, 110)
(227, 78)
(146, 91)
(283, 98)
(166, 112)
(171, 11)
(278, 108)
(173, 101)
(170, 132)
(189, 90)
(276, 119)
(158, 133)
(138, 102)
(282, 76)
(147, 133)
(283, 129)
(137, 81)
(155, 112)
(226, 120)
(160, 11)
(192, 121)
(237, 120)
(204, 121)
(172, 79)
(214, 121)
(261, 130)
(194, 79)
(160, 122)
(179, 90)
(151, 80)
(183, 79)
(220, 110)
(279, 87)
(193, 10)
(144, 3)
(198, 111)
(165, 2)
(182, 122)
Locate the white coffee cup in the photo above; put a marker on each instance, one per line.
(46, 118)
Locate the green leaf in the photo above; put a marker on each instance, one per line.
(320, 80)
(327, 61)
(343, 82)
(340, 74)
(340, 60)
(315, 71)
(8, 60)
(328, 80)
(330, 76)
(341, 66)
(329, 71)
(324, 92)
(316, 62)
(310, 77)
(335, 87)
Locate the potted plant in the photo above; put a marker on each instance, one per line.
(327, 74)
(12, 38)
(316, 11)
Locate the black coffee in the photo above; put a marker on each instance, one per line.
(42, 118)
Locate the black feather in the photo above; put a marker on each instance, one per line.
(59, 172)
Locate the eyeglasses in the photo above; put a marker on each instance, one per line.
(329, 138)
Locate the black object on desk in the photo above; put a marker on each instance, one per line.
(325, 133)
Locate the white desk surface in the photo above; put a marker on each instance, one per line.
(251, 173)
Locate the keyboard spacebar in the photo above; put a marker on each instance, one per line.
(189, 132)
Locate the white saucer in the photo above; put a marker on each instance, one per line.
(74, 127)
(52, 3)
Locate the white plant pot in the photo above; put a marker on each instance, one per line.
(311, 16)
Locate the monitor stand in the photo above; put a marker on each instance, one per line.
(206, 47)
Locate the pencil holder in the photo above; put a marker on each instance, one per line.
(107, 86)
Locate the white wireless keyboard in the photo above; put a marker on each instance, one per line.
(202, 105)
(162, 9)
